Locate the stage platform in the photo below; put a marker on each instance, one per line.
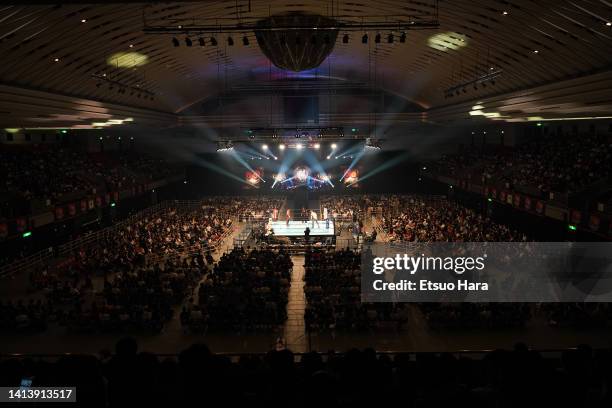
(296, 228)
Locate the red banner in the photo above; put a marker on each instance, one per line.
(527, 203)
(83, 205)
(494, 193)
(98, 201)
(21, 224)
(59, 213)
(115, 196)
(594, 222)
(502, 196)
(575, 216)
(517, 200)
(72, 209)
(3, 230)
(539, 207)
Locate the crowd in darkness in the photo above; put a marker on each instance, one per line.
(333, 294)
(566, 163)
(246, 291)
(147, 267)
(50, 172)
(501, 378)
(427, 219)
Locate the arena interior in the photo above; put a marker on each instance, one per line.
(191, 193)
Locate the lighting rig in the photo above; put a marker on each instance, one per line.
(482, 81)
(123, 88)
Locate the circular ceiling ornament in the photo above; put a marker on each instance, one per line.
(297, 41)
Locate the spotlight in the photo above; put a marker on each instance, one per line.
(175, 42)
(345, 39)
(265, 147)
(245, 40)
(333, 145)
(230, 41)
(213, 41)
(317, 146)
(281, 146)
(364, 39)
(201, 41)
(390, 38)
(188, 42)
(298, 146)
(403, 38)
(377, 38)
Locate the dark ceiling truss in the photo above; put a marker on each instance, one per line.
(572, 37)
(390, 23)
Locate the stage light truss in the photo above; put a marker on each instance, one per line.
(122, 87)
(293, 134)
(384, 23)
(483, 80)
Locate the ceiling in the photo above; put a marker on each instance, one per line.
(68, 50)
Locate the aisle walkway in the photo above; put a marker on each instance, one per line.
(295, 328)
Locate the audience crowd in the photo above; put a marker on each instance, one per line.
(552, 163)
(430, 219)
(52, 172)
(246, 291)
(579, 377)
(333, 295)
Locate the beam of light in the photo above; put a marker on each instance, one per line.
(387, 165)
(220, 170)
(357, 157)
(240, 160)
(351, 150)
(250, 152)
(313, 163)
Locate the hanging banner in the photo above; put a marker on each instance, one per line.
(594, 222)
(59, 213)
(21, 224)
(575, 217)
